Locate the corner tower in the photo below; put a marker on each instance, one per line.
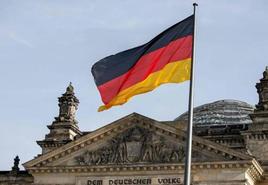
(64, 128)
(256, 136)
(260, 115)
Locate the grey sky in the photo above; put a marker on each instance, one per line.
(46, 44)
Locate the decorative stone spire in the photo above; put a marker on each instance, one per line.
(15, 168)
(68, 104)
(64, 128)
(262, 89)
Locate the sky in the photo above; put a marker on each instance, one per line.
(45, 44)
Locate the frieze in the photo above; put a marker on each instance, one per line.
(136, 145)
(131, 180)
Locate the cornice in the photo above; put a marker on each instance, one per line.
(252, 169)
(255, 172)
(256, 135)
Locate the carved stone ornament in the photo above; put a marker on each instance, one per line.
(136, 145)
(262, 89)
(68, 104)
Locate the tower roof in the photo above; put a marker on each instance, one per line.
(64, 129)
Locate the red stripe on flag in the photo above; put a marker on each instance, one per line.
(177, 50)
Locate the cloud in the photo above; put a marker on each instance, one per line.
(16, 38)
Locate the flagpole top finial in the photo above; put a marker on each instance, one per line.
(195, 4)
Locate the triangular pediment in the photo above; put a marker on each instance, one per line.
(134, 139)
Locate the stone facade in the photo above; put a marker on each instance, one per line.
(15, 176)
(229, 148)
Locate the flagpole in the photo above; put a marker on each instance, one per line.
(187, 167)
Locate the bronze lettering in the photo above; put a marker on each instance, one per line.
(169, 181)
(94, 182)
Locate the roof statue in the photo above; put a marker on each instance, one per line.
(70, 89)
(262, 89)
(15, 167)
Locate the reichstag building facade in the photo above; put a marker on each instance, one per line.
(230, 147)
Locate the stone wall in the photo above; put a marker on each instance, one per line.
(18, 178)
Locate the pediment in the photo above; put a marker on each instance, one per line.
(134, 139)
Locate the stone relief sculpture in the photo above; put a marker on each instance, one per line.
(136, 145)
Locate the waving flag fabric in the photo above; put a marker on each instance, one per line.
(165, 59)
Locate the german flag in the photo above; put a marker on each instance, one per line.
(165, 59)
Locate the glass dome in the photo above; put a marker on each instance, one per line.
(223, 112)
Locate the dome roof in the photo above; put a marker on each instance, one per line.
(223, 112)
